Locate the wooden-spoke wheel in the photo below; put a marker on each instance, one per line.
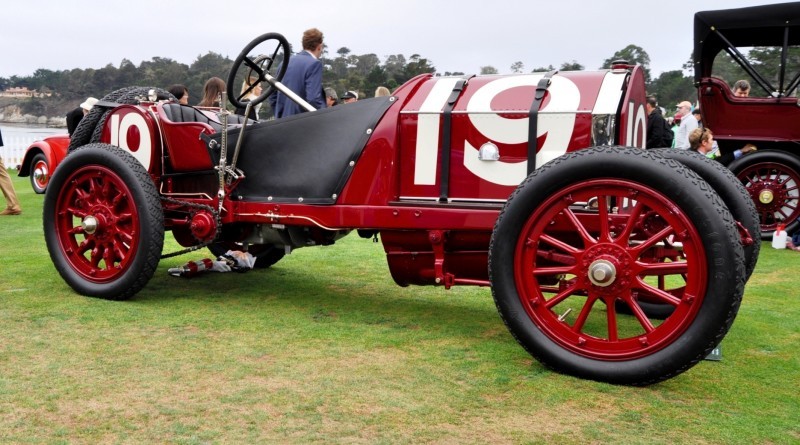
(594, 230)
(103, 222)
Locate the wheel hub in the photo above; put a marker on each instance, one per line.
(602, 273)
(90, 224)
(607, 267)
(766, 196)
(40, 174)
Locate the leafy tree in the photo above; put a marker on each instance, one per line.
(571, 66)
(672, 87)
(517, 67)
(543, 69)
(488, 70)
(632, 54)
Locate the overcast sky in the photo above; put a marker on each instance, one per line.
(453, 36)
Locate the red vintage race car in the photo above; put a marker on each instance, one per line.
(41, 158)
(760, 45)
(606, 261)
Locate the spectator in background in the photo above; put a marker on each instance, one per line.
(255, 91)
(687, 125)
(382, 91)
(349, 97)
(12, 203)
(676, 125)
(702, 141)
(741, 88)
(658, 132)
(698, 116)
(331, 98)
(74, 117)
(180, 92)
(303, 76)
(212, 92)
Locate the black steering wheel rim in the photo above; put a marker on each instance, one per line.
(259, 66)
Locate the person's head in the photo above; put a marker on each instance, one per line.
(331, 97)
(349, 96)
(701, 140)
(741, 88)
(684, 108)
(650, 104)
(382, 91)
(255, 91)
(180, 92)
(87, 105)
(696, 114)
(211, 92)
(312, 41)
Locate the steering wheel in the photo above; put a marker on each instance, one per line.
(262, 67)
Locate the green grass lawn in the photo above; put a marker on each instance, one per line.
(324, 348)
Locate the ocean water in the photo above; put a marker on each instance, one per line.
(17, 138)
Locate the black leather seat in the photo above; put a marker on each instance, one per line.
(185, 113)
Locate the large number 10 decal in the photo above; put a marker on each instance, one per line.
(557, 121)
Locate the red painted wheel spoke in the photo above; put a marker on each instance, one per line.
(587, 238)
(561, 296)
(636, 212)
(611, 318)
(650, 242)
(580, 322)
(661, 295)
(602, 213)
(561, 245)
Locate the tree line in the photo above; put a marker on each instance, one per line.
(344, 71)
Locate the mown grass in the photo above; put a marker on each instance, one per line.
(325, 348)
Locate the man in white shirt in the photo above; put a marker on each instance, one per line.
(687, 125)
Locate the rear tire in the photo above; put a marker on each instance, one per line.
(103, 222)
(772, 179)
(552, 258)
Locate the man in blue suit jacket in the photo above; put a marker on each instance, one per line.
(303, 76)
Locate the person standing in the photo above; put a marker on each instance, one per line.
(12, 203)
(688, 124)
(659, 135)
(303, 76)
(74, 117)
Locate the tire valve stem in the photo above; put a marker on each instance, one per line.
(564, 315)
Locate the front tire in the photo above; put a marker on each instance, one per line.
(103, 222)
(554, 257)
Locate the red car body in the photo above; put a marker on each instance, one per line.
(522, 172)
(41, 158)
